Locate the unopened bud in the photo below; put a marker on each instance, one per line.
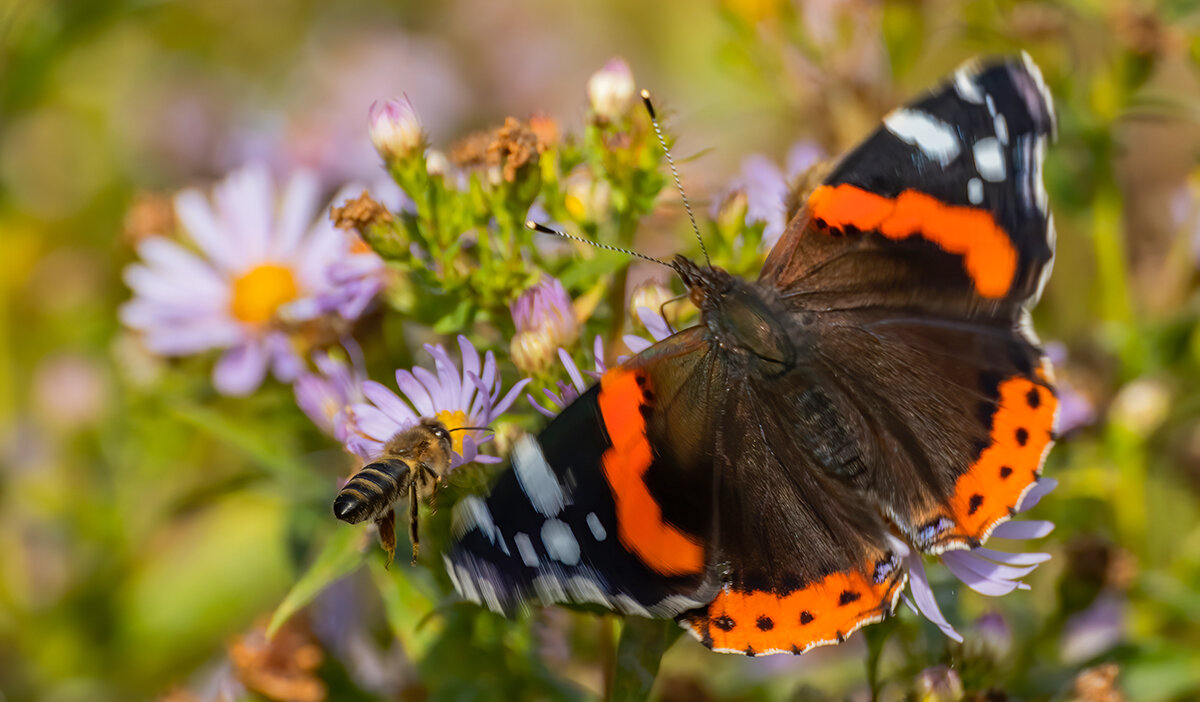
(610, 90)
(395, 130)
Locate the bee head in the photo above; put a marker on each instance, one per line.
(439, 432)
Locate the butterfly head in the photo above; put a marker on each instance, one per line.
(706, 284)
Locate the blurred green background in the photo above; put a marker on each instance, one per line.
(146, 523)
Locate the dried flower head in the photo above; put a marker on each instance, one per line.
(359, 214)
(514, 146)
(282, 668)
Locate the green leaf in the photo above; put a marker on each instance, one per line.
(639, 653)
(406, 608)
(342, 554)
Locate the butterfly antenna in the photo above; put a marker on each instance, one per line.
(671, 162)
(538, 227)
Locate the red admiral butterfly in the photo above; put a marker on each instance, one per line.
(748, 475)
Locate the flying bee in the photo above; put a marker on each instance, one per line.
(413, 465)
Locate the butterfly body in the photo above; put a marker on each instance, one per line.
(761, 475)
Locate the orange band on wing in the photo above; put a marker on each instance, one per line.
(640, 524)
(1022, 430)
(987, 251)
(755, 622)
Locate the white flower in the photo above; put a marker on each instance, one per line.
(262, 266)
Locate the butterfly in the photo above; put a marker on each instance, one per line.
(760, 475)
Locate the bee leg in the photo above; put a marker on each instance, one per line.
(387, 534)
(434, 483)
(412, 523)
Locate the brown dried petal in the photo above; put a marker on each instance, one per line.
(281, 668)
(359, 213)
(515, 146)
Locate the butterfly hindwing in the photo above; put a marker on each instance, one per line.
(803, 564)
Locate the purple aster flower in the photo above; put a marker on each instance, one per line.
(262, 266)
(569, 392)
(545, 320)
(984, 570)
(470, 397)
(938, 684)
(326, 395)
(766, 187)
(1075, 410)
(1095, 630)
(993, 635)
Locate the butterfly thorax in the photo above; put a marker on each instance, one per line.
(743, 318)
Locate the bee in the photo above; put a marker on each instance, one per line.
(413, 466)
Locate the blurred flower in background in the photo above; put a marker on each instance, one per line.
(327, 394)
(261, 267)
(767, 187)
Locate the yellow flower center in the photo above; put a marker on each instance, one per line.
(454, 420)
(261, 291)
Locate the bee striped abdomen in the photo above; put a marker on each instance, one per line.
(371, 492)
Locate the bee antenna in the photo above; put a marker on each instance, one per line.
(469, 429)
(539, 227)
(671, 162)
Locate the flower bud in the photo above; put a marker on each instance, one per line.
(1141, 406)
(610, 90)
(650, 295)
(993, 635)
(938, 684)
(394, 128)
(545, 320)
(586, 198)
(436, 163)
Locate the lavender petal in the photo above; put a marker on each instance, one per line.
(241, 369)
(1023, 529)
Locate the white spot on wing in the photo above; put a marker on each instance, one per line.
(1040, 82)
(472, 513)
(585, 590)
(525, 548)
(560, 543)
(1001, 126)
(1039, 188)
(975, 191)
(989, 159)
(933, 137)
(536, 478)
(965, 85)
(597, 528)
